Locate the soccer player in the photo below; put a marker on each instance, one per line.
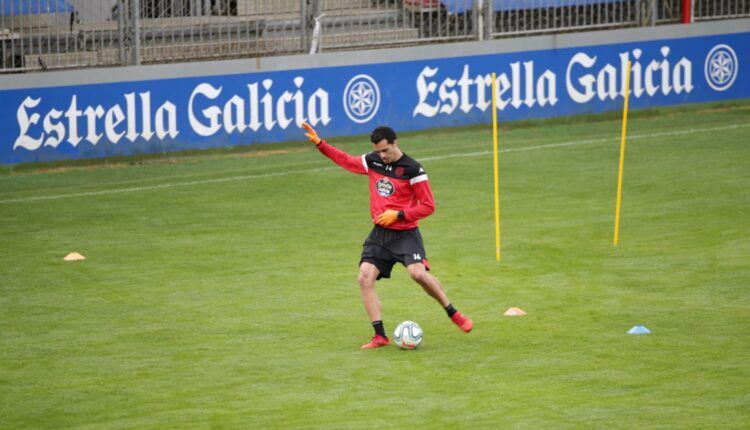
(400, 195)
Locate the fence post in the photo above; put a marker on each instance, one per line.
(121, 31)
(477, 21)
(135, 21)
(489, 19)
(303, 45)
(311, 11)
(640, 13)
(687, 11)
(647, 12)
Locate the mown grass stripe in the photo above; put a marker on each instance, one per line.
(303, 171)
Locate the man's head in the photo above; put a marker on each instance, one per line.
(385, 143)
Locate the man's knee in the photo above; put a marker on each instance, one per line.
(368, 273)
(417, 272)
(364, 280)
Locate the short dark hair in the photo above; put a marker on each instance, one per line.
(381, 133)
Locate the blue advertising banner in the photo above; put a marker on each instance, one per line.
(102, 120)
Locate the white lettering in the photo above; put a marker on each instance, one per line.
(666, 88)
(682, 76)
(521, 87)
(528, 67)
(318, 102)
(515, 73)
(586, 81)
(465, 85)
(54, 127)
(637, 84)
(267, 102)
(131, 117)
(424, 90)
(609, 81)
(449, 96)
(652, 67)
(92, 114)
(24, 121)
(482, 83)
(254, 121)
(73, 114)
(546, 89)
(170, 110)
(211, 113)
(285, 98)
(503, 85)
(146, 133)
(234, 115)
(606, 83)
(299, 102)
(113, 118)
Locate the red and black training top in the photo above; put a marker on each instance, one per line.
(401, 185)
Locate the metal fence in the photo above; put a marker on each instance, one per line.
(57, 34)
(717, 9)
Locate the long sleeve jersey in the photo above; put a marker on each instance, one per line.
(401, 185)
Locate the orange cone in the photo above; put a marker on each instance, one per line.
(74, 256)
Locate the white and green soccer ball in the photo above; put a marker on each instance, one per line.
(408, 335)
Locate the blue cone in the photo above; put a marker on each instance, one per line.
(639, 329)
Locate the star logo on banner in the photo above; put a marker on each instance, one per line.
(721, 67)
(361, 98)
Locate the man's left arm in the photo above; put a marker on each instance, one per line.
(425, 202)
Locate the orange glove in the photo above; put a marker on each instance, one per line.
(311, 135)
(387, 218)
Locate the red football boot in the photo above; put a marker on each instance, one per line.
(464, 323)
(376, 342)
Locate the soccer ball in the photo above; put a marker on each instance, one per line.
(408, 335)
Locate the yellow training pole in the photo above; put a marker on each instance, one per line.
(622, 155)
(494, 152)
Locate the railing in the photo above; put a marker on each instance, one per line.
(58, 34)
(717, 9)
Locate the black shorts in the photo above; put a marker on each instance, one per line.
(385, 247)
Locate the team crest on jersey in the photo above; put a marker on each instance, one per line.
(385, 187)
(399, 171)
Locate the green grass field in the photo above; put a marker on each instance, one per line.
(220, 291)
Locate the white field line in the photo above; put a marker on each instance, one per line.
(587, 142)
(162, 186)
(303, 171)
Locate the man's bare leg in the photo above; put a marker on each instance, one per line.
(368, 274)
(429, 283)
(432, 286)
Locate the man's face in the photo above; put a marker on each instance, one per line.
(388, 152)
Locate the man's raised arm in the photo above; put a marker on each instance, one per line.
(348, 162)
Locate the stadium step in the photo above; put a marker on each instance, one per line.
(266, 7)
(60, 60)
(371, 38)
(343, 39)
(275, 7)
(205, 50)
(329, 5)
